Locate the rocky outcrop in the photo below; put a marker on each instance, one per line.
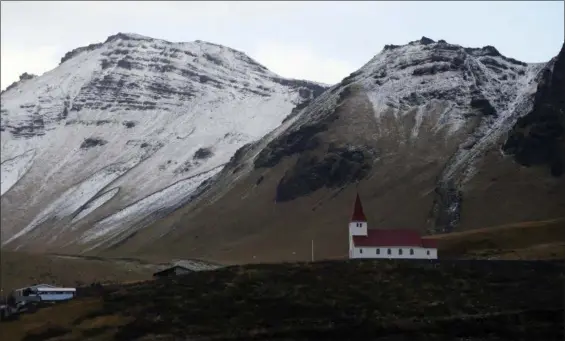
(203, 153)
(34, 125)
(539, 137)
(296, 142)
(23, 77)
(338, 167)
(79, 50)
(92, 142)
(446, 208)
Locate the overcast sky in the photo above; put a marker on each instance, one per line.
(321, 41)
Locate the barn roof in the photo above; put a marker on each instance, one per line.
(169, 269)
(393, 238)
(358, 214)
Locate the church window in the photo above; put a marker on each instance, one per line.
(378, 251)
(411, 251)
(360, 250)
(399, 251)
(388, 251)
(428, 252)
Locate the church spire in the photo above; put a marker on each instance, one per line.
(358, 214)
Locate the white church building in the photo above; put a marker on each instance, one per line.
(387, 244)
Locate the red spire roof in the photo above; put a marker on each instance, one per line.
(358, 214)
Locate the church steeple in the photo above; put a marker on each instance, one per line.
(358, 214)
(358, 224)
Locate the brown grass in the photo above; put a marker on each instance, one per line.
(64, 316)
(20, 269)
(526, 240)
(337, 300)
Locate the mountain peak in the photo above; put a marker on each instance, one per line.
(115, 37)
(126, 43)
(426, 41)
(128, 36)
(179, 109)
(487, 50)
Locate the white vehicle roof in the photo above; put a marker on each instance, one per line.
(56, 289)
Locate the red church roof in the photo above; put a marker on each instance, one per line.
(393, 238)
(358, 214)
(429, 243)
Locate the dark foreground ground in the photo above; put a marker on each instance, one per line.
(337, 300)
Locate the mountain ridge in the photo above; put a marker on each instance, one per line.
(441, 175)
(418, 127)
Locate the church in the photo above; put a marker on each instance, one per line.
(387, 244)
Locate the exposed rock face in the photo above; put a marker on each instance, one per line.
(446, 209)
(338, 167)
(296, 142)
(203, 153)
(143, 119)
(539, 137)
(92, 142)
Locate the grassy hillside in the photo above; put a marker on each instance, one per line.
(20, 269)
(539, 240)
(527, 240)
(337, 300)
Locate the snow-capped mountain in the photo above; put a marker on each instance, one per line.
(419, 131)
(138, 146)
(127, 130)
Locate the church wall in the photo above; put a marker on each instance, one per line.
(395, 252)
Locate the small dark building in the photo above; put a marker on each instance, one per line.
(172, 271)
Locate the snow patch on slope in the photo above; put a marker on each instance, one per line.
(75, 197)
(95, 203)
(196, 265)
(14, 169)
(488, 133)
(117, 223)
